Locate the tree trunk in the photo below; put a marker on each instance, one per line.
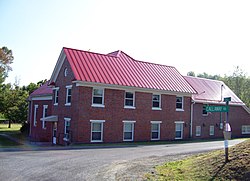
(9, 124)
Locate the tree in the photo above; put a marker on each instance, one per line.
(6, 58)
(191, 73)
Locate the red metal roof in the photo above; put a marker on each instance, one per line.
(117, 68)
(43, 90)
(211, 90)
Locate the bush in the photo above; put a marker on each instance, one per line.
(25, 128)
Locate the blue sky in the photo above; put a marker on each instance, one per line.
(201, 36)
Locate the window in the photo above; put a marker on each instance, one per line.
(45, 114)
(179, 103)
(198, 131)
(155, 130)
(68, 95)
(129, 100)
(35, 115)
(97, 130)
(178, 129)
(66, 129)
(56, 90)
(245, 129)
(204, 112)
(98, 97)
(156, 99)
(128, 130)
(211, 130)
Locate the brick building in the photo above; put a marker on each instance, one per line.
(95, 97)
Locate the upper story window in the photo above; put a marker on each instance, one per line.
(129, 100)
(204, 112)
(65, 72)
(156, 102)
(179, 103)
(98, 97)
(35, 115)
(45, 114)
(56, 91)
(68, 95)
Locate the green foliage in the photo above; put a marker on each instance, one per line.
(6, 58)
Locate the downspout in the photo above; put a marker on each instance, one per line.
(191, 118)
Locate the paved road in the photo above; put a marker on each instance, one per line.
(89, 164)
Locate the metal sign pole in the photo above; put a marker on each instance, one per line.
(226, 139)
(227, 129)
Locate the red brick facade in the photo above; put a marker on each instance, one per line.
(238, 116)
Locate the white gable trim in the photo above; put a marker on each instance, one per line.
(58, 66)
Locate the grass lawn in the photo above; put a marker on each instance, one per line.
(14, 132)
(209, 166)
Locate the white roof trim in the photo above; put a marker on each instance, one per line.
(58, 66)
(41, 98)
(50, 119)
(131, 89)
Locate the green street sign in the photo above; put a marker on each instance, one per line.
(217, 108)
(227, 99)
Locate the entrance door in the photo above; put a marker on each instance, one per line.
(54, 133)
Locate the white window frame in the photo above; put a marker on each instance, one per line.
(43, 122)
(97, 121)
(95, 104)
(198, 131)
(182, 103)
(133, 128)
(182, 129)
(159, 129)
(156, 108)
(245, 129)
(56, 89)
(67, 95)
(35, 115)
(66, 135)
(126, 106)
(211, 130)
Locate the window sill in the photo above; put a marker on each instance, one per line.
(128, 140)
(96, 141)
(180, 110)
(98, 105)
(205, 115)
(56, 104)
(245, 133)
(155, 139)
(156, 108)
(197, 135)
(68, 104)
(129, 107)
(178, 138)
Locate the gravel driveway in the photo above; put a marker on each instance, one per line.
(120, 163)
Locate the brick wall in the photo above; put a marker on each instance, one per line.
(237, 117)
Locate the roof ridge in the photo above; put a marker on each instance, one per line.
(91, 52)
(214, 80)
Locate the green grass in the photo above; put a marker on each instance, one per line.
(209, 166)
(14, 132)
(14, 128)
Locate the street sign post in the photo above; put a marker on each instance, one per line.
(227, 130)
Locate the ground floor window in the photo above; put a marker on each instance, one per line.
(66, 128)
(155, 130)
(245, 129)
(128, 130)
(97, 130)
(179, 129)
(198, 131)
(211, 130)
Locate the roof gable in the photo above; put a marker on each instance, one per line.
(211, 90)
(117, 68)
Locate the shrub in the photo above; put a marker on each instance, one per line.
(25, 128)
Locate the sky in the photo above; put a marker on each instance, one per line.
(192, 35)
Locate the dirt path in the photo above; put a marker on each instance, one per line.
(135, 169)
